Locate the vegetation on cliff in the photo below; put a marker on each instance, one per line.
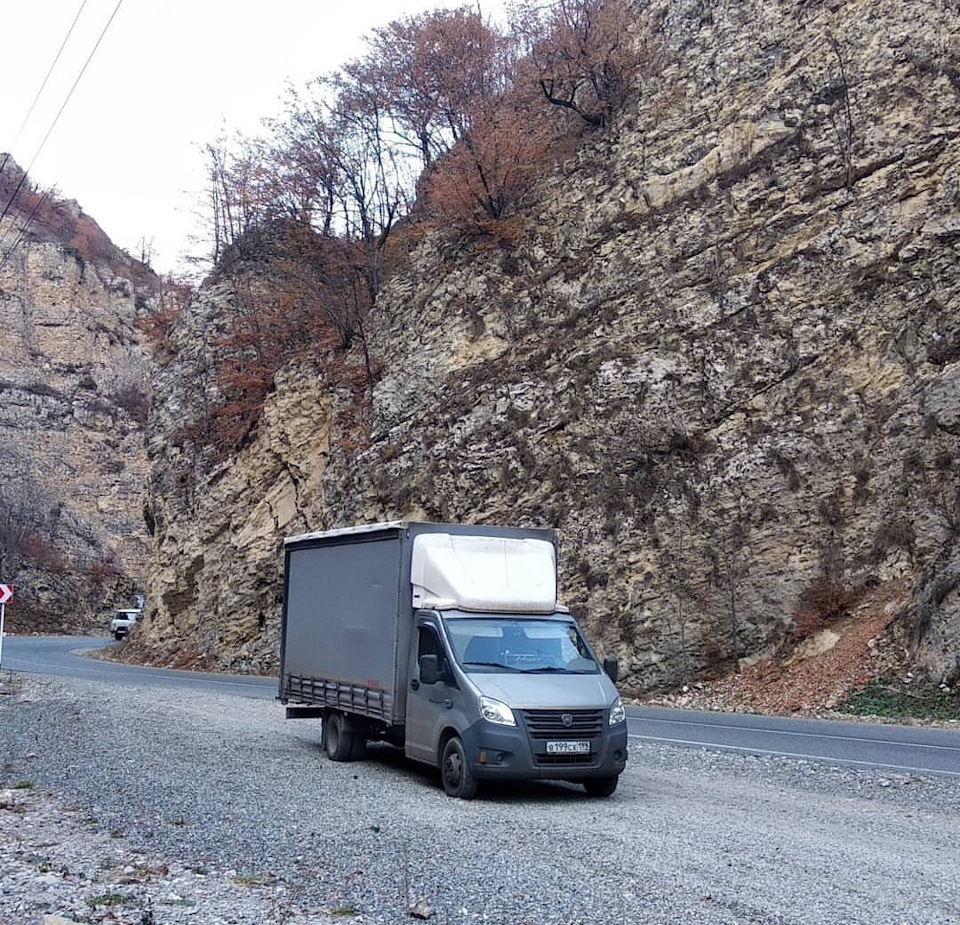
(441, 128)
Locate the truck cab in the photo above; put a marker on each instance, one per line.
(510, 697)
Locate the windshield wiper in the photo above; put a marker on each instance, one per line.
(491, 665)
(551, 670)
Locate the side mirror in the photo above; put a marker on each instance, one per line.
(429, 669)
(611, 668)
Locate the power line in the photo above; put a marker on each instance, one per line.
(22, 233)
(36, 99)
(53, 125)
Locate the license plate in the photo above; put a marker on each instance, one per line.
(568, 748)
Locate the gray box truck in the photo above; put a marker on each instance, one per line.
(447, 641)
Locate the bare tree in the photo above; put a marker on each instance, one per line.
(730, 567)
(236, 204)
(305, 155)
(582, 52)
(427, 71)
(841, 114)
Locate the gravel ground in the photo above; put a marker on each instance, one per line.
(149, 807)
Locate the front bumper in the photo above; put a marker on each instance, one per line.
(515, 753)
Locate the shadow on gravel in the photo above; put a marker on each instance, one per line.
(416, 774)
(545, 792)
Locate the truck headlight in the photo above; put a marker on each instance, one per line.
(495, 711)
(617, 712)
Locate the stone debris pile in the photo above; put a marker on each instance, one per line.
(59, 868)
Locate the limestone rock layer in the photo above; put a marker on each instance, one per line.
(721, 357)
(74, 399)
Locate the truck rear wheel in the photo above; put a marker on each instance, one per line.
(601, 786)
(458, 780)
(337, 737)
(358, 732)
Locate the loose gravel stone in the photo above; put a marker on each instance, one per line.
(59, 866)
(157, 807)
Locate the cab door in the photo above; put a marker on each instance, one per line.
(428, 705)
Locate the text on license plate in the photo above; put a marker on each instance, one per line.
(568, 748)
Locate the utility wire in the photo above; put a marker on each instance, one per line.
(22, 233)
(53, 124)
(36, 99)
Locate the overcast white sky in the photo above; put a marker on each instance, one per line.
(167, 77)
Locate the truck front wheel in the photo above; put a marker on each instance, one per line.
(337, 737)
(601, 786)
(458, 780)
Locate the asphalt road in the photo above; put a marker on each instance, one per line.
(63, 657)
(905, 749)
(901, 749)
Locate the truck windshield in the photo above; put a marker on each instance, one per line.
(492, 644)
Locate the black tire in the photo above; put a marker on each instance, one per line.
(601, 786)
(118, 636)
(358, 728)
(337, 737)
(458, 779)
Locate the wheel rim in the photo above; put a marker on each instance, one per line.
(453, 768)
(333, 737)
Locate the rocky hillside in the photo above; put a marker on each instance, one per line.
(722, 356)
(74, 398)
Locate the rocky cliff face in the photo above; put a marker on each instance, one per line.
(723, 358)
(74, 394)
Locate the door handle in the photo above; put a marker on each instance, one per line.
(415, 684)
(447, 702)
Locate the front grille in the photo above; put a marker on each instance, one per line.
(549, 724)
(565, 760)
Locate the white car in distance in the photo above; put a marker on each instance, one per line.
(122, 621)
